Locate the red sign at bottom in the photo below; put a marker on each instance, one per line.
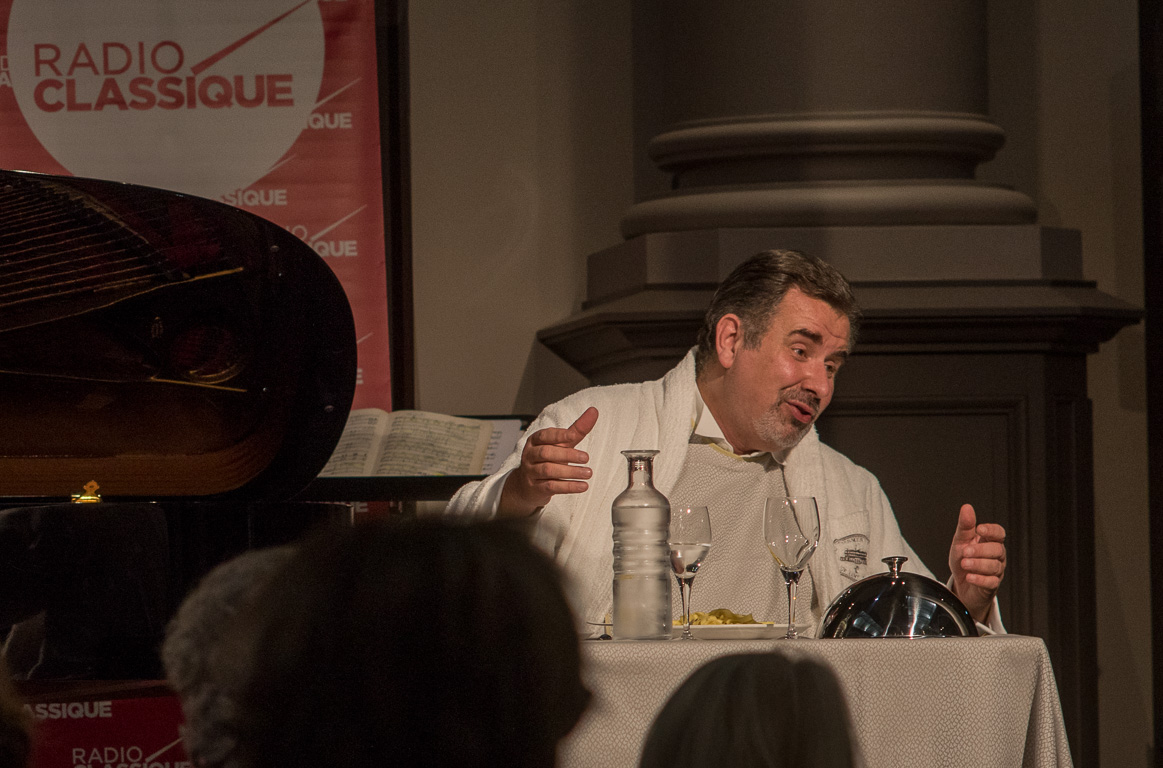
(117, 733)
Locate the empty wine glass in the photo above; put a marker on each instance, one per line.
(791, 528)
(690, 540)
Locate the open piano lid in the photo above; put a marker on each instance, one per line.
(162, 345)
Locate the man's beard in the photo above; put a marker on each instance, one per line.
(780, 432)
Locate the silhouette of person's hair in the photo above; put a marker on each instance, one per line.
(207, 694)
(422, 643)
(753, 710)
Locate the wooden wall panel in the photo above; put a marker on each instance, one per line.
(1011, 434)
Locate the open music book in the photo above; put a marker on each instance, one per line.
(376, 442)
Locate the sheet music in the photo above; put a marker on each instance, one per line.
(506, 433)
(359, 445)
(420, 443)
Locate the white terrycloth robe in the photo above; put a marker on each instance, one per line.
(857, 526)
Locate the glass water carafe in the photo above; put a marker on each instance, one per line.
(642, 573)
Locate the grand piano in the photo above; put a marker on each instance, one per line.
(185, 366)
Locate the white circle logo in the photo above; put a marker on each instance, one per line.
(203, 97)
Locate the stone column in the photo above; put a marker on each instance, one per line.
(816, 113)
(850, 131)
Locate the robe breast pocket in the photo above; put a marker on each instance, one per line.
(850, 545)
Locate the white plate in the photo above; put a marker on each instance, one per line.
(738, 631)
(722, 631)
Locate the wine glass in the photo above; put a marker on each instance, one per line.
(791, 528)
(690, 540)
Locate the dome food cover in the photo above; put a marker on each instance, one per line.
(897, 604)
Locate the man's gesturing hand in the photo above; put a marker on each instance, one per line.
(977, 559)
(548, 467)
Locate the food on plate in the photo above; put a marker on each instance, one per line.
(719, 616)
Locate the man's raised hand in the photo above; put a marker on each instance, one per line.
(549, 466)
(977, 559)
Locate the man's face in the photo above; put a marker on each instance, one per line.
(774, 393)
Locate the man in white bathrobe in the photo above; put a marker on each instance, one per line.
(734, 424)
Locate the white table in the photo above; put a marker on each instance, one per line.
(988, 702)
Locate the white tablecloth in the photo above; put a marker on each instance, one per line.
(957, 702)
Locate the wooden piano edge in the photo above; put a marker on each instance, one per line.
(36, 691)
(342, 489)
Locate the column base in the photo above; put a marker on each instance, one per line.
(972, 288)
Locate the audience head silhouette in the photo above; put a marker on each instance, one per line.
(206, 689)
(753, 711)
(415, 644)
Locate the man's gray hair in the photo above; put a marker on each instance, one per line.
(207, 693)
(755, 288)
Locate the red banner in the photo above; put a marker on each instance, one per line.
(117, 733)
(268, 105)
